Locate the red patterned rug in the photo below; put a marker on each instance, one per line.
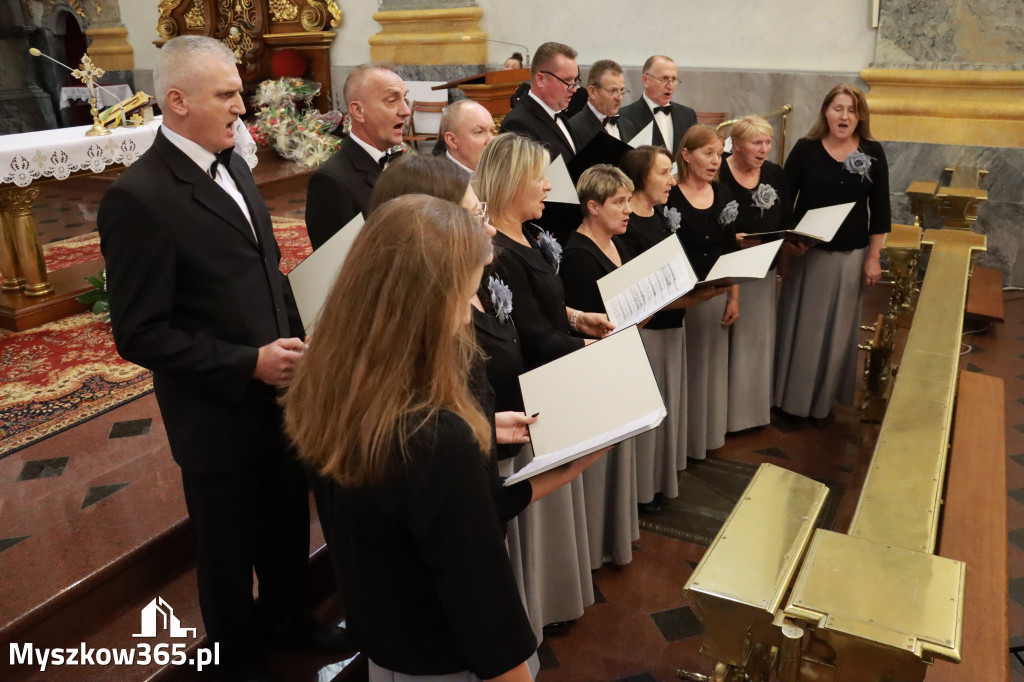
(65, 372)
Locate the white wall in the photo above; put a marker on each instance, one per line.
(795, 35)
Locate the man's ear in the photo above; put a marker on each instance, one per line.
(177, 101)
(449, 140)
(356, 111)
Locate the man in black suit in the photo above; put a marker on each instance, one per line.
(554, 77)
(340, 188)
(606, 87)
(466, 128)
(671, 120)
(196, 296)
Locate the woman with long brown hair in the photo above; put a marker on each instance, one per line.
(820, 302)
(380, 408)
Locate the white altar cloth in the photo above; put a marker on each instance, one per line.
(57, 153)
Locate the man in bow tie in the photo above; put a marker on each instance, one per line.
(606, 87)
(554, 77)
(340, 188)
(196, 296)
(671, 120)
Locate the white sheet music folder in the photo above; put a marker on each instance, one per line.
(818, 224)
(563, 189)
(646, 284)
(645, 136)
(592, 398)
(312, 278)
(746, 264)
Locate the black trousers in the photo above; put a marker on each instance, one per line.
(256, 518)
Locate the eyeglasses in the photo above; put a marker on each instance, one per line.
(664, 80)
(614, 92)
(576, 83)
(481, 213)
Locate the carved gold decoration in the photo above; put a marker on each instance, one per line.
(237, 22)
(335, 11)
(195, 17)
(28, 12)
(165, 26)
(283, 10)
(74, 4)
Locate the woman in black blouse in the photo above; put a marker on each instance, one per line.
(592, 252)
(820, 302)
(510, 178)
(765, 205)
(708, 214)
(401, 451)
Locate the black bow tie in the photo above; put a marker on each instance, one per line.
(223, 157)
(614, 120)
(389, 156)
(667, 109)
(562, 115)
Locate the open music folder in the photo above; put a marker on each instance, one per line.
(563, 189)
(594, 397)
(817, 225)
(746, 264)
(646, 284)
(313, 277)
(645, 136)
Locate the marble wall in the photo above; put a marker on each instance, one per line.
(951, 34)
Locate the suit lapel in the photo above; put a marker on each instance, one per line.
(678, 125)
(542, 116)
(361, 161)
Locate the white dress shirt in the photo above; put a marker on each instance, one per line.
(664, 122)
(610, 128)
(558, 121)
(458, 163)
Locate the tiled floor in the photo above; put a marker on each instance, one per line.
(110, 481)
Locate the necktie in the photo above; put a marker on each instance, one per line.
(389, 156)
(667, 109)
(614, 120)
(223, 159)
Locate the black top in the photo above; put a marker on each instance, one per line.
(583, 263)
(816, 180)
(422, 562)
(641, 234)
(753, 218)
(705, 233)
(539, 309)
(504, 360)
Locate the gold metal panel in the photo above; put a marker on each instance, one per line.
(975, 242)
(880, 593)
(903, 236)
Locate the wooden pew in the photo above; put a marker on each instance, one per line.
(985, 294)
(974, 529)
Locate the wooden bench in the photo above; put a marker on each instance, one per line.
(985, 294)
(974, 529)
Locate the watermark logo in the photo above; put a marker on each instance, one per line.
(159, 612)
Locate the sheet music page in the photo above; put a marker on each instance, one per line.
(823, 223)
(646, 284)
(563, 189)
(750, 263)
(645, 136)
(594, 397)
(312, 278)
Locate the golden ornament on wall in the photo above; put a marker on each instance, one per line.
(195, 17)
(165, 26)
(283, 10)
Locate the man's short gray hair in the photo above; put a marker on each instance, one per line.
(178, 59)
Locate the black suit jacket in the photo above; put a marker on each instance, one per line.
(339, 190)
(529, 119)
(639, 115)
(193, 295)
(584, 126)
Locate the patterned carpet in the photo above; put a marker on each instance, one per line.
(68, 371)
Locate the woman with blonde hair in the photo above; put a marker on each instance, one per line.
(510, 179)
(820, 301)
(765, 205)
(707, 213)
(380, 408)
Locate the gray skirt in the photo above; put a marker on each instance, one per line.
(707, 376)
(751, 356)
(555, 553)
(818, 331)
(613, 524)
(661, 453)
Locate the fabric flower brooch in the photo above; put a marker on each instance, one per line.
(673, 218)
(858, 163)
(501, 298)
(550, 249)
(729, 213)
(764, 197)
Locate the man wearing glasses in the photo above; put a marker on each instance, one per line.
(554, 77)
(606, 88)
(671, 120)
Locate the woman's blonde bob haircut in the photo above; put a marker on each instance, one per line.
(508, 162)
(749, 127)
(599, 183)
(392, 347)
(860, 105)
(697, 136)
